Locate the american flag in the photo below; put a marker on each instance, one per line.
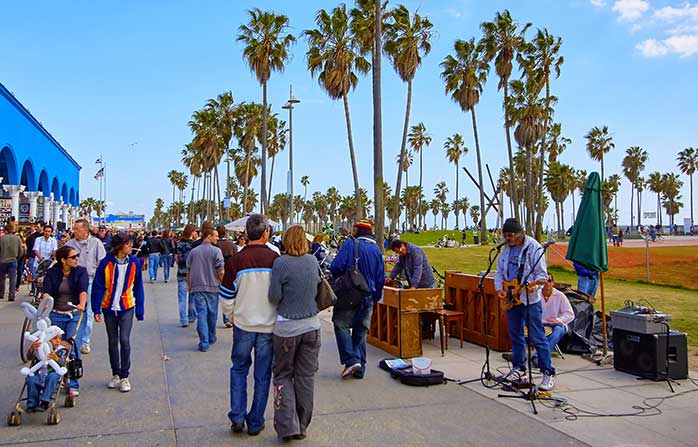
(99, 174)
(98, 161)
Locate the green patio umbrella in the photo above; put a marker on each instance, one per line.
(587, 244)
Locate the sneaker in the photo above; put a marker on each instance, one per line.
(125, 386)
(74, 392)
(43, 406)
(85, 349)
(237, 428)
(114, 382)
(255, 432)
(548, 382)
(350, 370)
(508, 356)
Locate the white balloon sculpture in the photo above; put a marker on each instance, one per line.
(43, 334)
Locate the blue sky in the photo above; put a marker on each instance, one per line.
(101, 77)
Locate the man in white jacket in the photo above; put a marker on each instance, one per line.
(557, 312)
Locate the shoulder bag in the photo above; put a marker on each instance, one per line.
(351, 287)
(325, 295)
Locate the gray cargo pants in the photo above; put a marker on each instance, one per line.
(295, 365)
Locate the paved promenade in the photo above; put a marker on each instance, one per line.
(184, 400)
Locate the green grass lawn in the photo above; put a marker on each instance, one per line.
(681, 304)
(431, 237)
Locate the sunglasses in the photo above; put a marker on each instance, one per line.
(74, 256)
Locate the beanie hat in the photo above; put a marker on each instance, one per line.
(512, 225)
(364, 224)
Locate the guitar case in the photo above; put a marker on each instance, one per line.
(406, 377)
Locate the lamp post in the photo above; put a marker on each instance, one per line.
(289, 106)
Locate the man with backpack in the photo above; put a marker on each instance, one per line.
(351, 323)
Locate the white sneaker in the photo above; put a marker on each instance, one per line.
(125, 386)
(85, 349)
(114, 382)
(349, 370)
(548, 382)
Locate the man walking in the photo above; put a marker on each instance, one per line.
(187, 312)
(414, 263)
(249, 273)
(44, 247)
(104, 237)
(91, 251)
(10, 251)
(351, 325)
(204, 274)
(155, 248)
(229, 250)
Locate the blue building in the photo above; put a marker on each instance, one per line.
(40, 180)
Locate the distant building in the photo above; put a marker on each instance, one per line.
(125, 221)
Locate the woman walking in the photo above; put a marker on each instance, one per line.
(296, 335)
(167, 256)
(67, 283)
(117, 292)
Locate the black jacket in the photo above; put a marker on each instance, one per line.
(78, 280)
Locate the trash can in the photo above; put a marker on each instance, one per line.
(476, 238)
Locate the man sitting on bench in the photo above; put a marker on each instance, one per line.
(557, 313)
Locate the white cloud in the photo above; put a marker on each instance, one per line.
(684, 45)
(630, 10)
(671, 14)
(598, 3)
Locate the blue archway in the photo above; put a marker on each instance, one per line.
(43, 183)
(71, 197)
(55, 189)
(8, 166)
(64, 194)
(27, 178)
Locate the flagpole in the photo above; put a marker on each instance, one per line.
(104, 177)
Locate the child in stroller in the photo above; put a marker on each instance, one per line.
(43, 386)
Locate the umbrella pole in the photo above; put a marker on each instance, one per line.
(603, 317)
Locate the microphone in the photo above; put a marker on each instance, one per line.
(548, 243)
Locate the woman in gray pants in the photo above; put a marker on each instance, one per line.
(296, 336)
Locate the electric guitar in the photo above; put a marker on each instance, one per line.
(513, 290)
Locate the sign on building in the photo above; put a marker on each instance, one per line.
(649, 215)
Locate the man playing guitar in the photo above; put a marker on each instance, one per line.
(522, 260)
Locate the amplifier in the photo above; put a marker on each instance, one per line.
(640, 319)
(645, 355)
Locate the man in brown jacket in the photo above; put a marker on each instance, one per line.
(10, 250)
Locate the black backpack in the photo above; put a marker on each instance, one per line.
(351, 287)
(405, 376)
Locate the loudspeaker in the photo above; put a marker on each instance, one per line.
(645, 355)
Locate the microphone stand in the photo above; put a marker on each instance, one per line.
(532, 394)
(486, 374)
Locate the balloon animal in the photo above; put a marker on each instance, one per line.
(43, 334)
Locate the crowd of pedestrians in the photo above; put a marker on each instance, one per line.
(265, 285)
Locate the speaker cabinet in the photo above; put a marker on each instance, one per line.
(645, 355)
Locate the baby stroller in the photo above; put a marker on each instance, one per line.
(37, 283)
(53, 416)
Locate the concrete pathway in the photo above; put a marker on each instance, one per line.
(184, 400)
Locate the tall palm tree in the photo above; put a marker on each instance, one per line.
(441, 192)
(688, 162)
(333, 55)
(455, 148)
(599, 143)
(419, 139)
(172, 177)
(559, 179)
(367, 26)
(541, 58)
(407, 161)
(475, 214)
(435, 206)
(224, 109)
(671, 196)
(655, 183)
(503, 39)
(464, 75)
(305, 181)
(633, 164)
(577, 185)
(333, 198)
(266, 50)
(248, 131)
(276, 143)
(407, 41)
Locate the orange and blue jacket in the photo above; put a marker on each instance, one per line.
(103, 293)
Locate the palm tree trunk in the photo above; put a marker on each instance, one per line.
(690, 181)
(483, 218)
(659, 210)
(218, 194)
(271, 178)
(404, 143)
(562, 213)
(248, 160)
(263, 193)
(379, 208)
(512, 181)
(352, 155)
(639, 207)
(420, 188)
(574, 208)
(529, 190)
(557, 218)
(632, 206)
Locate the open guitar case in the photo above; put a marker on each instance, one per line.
(406, 377)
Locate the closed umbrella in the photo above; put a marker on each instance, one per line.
(588, 241)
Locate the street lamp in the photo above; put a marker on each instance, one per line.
(289, 106)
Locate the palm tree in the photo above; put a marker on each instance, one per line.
(445, 211)
(599, 143)
(305, 181)
(435, 206)
(334, 57)
(688, 162)
(276, 143)
(247, 130)
(418, 139)
(655, 182)
(224, 110)
(172, 177)
(266, 50)
(503, 39)
(475, 214)
(407, 41)
(670, 194)
(407, 161)
(333, 197)
(577, 185)
(455, 148)
(633, 164)
(559, 179)
(367, 28)
(87, 206)
(541, 58)
(441, 191)
(465, 76)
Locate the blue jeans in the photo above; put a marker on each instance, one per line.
(69, 324)
(516, 318)
(88, 321)
(587, 285)
(166, 261)
(38, 389)
(153, 264)
(119, 339)
(8, 269)
(556, 336)
(241, 356)
(206, 304)
(187, 310)
(350, 329)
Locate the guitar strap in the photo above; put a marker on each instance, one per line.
(522, 263)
